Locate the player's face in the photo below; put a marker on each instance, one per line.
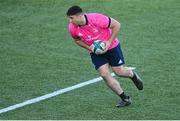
(75, 19)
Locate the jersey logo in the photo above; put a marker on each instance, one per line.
(95, 30)
(80, 34)
(89, 37)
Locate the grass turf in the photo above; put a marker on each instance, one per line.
(37, 56)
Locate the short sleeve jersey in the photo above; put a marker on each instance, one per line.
(96, 28)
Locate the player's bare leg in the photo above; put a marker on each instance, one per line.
(129, 73)
(122, 71)
(114, 85)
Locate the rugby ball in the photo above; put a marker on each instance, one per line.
(98, 47)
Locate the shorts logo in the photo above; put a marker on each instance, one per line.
(120, 61)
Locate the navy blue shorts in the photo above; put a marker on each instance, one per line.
(113, 57)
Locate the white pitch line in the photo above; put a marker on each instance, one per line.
(50, 95)
(53, 94)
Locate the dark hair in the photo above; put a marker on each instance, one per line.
(74, 10)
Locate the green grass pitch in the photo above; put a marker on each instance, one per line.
(37, 56)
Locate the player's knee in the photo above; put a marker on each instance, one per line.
(119, 71)
(122, 71)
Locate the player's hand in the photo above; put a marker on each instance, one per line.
(90, 48)
(107, 45)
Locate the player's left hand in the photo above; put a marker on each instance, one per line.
(107, 45)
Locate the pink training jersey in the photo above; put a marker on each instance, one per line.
(96, 28)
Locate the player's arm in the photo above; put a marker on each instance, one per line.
(115, 27)
(79, 42)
